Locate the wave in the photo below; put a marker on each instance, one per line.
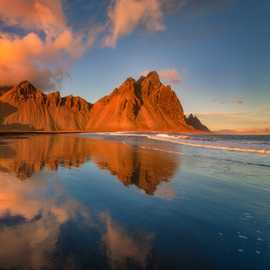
(183, 137)
(208, 142)
(209, 157)
(202, 144)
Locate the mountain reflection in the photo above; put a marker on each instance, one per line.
(132, 164)
(43, 224)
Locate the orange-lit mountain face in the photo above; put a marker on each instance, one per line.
(24, 107)
(143, 105)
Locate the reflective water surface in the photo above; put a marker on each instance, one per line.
(100, 202)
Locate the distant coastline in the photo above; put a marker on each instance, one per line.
(3, 132)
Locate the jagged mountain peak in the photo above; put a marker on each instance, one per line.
(153, 77)
(128, 84)
(23, 91)
(26, 88)
(145, 104)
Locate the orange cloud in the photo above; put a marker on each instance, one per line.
(125, 15)
(44, 15)
(41, 60)
(47, 45)
(168, 75)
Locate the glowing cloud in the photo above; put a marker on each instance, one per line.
(41, 59)
(167, 75)
(42, 45)
(170, 76)
(33, 14)
(125, 15)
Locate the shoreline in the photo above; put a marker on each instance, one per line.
(36, 132)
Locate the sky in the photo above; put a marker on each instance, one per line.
(214, 53)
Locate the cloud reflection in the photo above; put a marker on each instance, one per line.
(31, 221)
(123, 248)
(32, 216)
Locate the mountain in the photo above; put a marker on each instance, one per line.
(195, 122)
(24, 107)
(142, 105)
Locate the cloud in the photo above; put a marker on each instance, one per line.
(47, 47)
(125, 15)
(34, 14)
(171, 76)
(123, 248)
(37, 219)
(41, 45)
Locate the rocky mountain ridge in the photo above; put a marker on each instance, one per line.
(26, 108)
(142, 105)
(145, 104)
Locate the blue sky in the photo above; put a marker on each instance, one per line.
(220, 51)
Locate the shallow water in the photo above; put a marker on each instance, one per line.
(131, 202)
(258, 144)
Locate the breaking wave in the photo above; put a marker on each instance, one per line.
(236, 143)
(214, 144)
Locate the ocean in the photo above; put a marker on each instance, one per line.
(135, 201)
(259, 144)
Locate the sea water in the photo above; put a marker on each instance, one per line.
(134, 201)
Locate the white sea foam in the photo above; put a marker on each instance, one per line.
(208, 142)
(218, 145)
